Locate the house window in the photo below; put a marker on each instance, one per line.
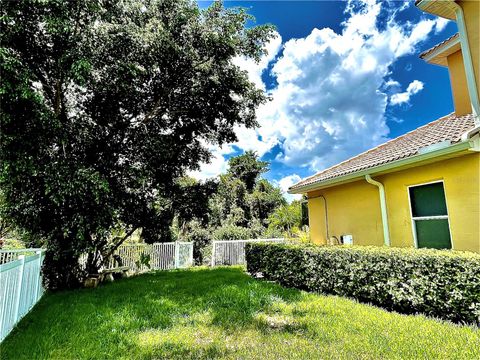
(429, 216)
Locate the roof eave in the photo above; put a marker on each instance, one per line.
(439, 55)
(385, 168)
(441, 8)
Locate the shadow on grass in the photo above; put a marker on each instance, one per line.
(130, 316)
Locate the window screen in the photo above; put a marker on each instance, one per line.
(433, 234)
(429, 215)
(428, 200)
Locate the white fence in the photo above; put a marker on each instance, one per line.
(20, 285)
(13, 254)
(232, 252)
(158, 256)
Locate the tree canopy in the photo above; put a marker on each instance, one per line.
(247, 168)
(104, 105)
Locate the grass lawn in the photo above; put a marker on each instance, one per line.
(223, 313)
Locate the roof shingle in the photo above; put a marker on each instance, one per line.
(448, 128)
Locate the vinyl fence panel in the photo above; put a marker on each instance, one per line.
(20, 288)
(232, 252)
(158, 256)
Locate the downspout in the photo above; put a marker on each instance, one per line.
(326, 217)
(383, 208)
(467, 62)
(326, 214)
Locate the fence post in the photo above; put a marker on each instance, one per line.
(177, 254)
(191, 254)
(20, 286)
(39, 278)
(213, 253)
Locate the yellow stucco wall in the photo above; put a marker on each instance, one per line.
(354, 208)
(471, 10)
(458, 80)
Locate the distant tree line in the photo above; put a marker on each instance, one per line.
(239, 204)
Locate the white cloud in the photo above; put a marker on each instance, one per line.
(392, 83)
(218, 164)
(333, 88)
(441, 24)
(404, 98)
(329, 103)
(285, 183)
(256, 69)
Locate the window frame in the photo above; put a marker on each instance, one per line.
(413, 219)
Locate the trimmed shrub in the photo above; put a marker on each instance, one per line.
(439, 283)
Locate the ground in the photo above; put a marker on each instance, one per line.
(224, 313)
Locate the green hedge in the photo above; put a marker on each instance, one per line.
(444, 284)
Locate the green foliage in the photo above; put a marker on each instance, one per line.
(12, 243)
(201, 238)
(247, 168)
(286, 218)
(104, 105)
(264, 199)
(238, 207)
(299, 235)
(232, 232)
(443, 284)
(144, 260)
(191, 200)
(224, 314)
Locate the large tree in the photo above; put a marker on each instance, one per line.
(247, 168)
(104, 104)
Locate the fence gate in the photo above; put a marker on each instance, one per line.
(232, 252)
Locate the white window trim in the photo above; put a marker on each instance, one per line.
(439, 217)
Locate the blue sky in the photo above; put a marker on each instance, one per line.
(344, 76)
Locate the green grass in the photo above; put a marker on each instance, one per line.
(223, 313)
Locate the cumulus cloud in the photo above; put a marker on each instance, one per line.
(441, 24)
(256, 69)
(404, 97)
(329, 103)
(392, 83)
(218, 164)
(333, 88)
(285, 183)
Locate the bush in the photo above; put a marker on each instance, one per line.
(444, 284)
(201, 240)
(232, 232)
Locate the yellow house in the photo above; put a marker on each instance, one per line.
(421, 189)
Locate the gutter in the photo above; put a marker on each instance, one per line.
(467, 62)
(467, 56)
(383, 208)
(412, 160)
(441, 49)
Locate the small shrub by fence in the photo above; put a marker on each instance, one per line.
(232, 252)
(444, 284)
(20, 285)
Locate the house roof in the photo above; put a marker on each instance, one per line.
(444, 43)
(442, 8)
(438, 54)
(444, 131)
